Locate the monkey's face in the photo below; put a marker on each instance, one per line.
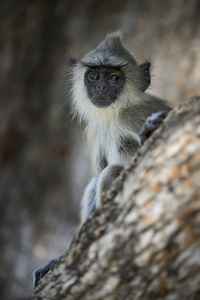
(103, 85)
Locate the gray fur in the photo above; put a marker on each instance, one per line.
(112, 130)
(134, 116)
(112, 127)
(110, 52)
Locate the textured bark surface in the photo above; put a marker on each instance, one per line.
(145, 241)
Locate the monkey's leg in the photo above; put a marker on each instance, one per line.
(88, 205)
(151, 124)
(39, 273)
(88, 200)
(105, 180)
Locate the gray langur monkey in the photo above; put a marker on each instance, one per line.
(108, 95)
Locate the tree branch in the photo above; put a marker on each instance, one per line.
(144, 243)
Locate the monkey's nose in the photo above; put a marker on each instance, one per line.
(102, 87)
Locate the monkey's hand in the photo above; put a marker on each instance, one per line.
(92, 198)
(151, 124)
(104, 181)
(39, 273)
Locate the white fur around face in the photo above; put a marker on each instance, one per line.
(83, 106)
(87, 111)
(104, 129)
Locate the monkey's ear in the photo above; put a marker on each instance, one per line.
(145, 75)
(72, 61)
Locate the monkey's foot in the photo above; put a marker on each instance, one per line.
(151, 124)
(39, 273)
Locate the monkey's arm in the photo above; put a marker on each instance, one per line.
(151, 124)
(89, 200)
(105, 180)
(92, 198)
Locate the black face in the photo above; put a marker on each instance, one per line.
(104, 85)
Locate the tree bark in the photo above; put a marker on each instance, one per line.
(144, 243)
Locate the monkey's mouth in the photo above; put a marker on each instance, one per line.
(102, 102)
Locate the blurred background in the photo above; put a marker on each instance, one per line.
(44, 164)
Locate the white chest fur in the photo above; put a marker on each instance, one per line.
(104, 142)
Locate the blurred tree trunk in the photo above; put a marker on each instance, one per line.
(145, 241)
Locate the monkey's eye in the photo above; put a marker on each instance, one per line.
(93, 76)
(114, 77)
